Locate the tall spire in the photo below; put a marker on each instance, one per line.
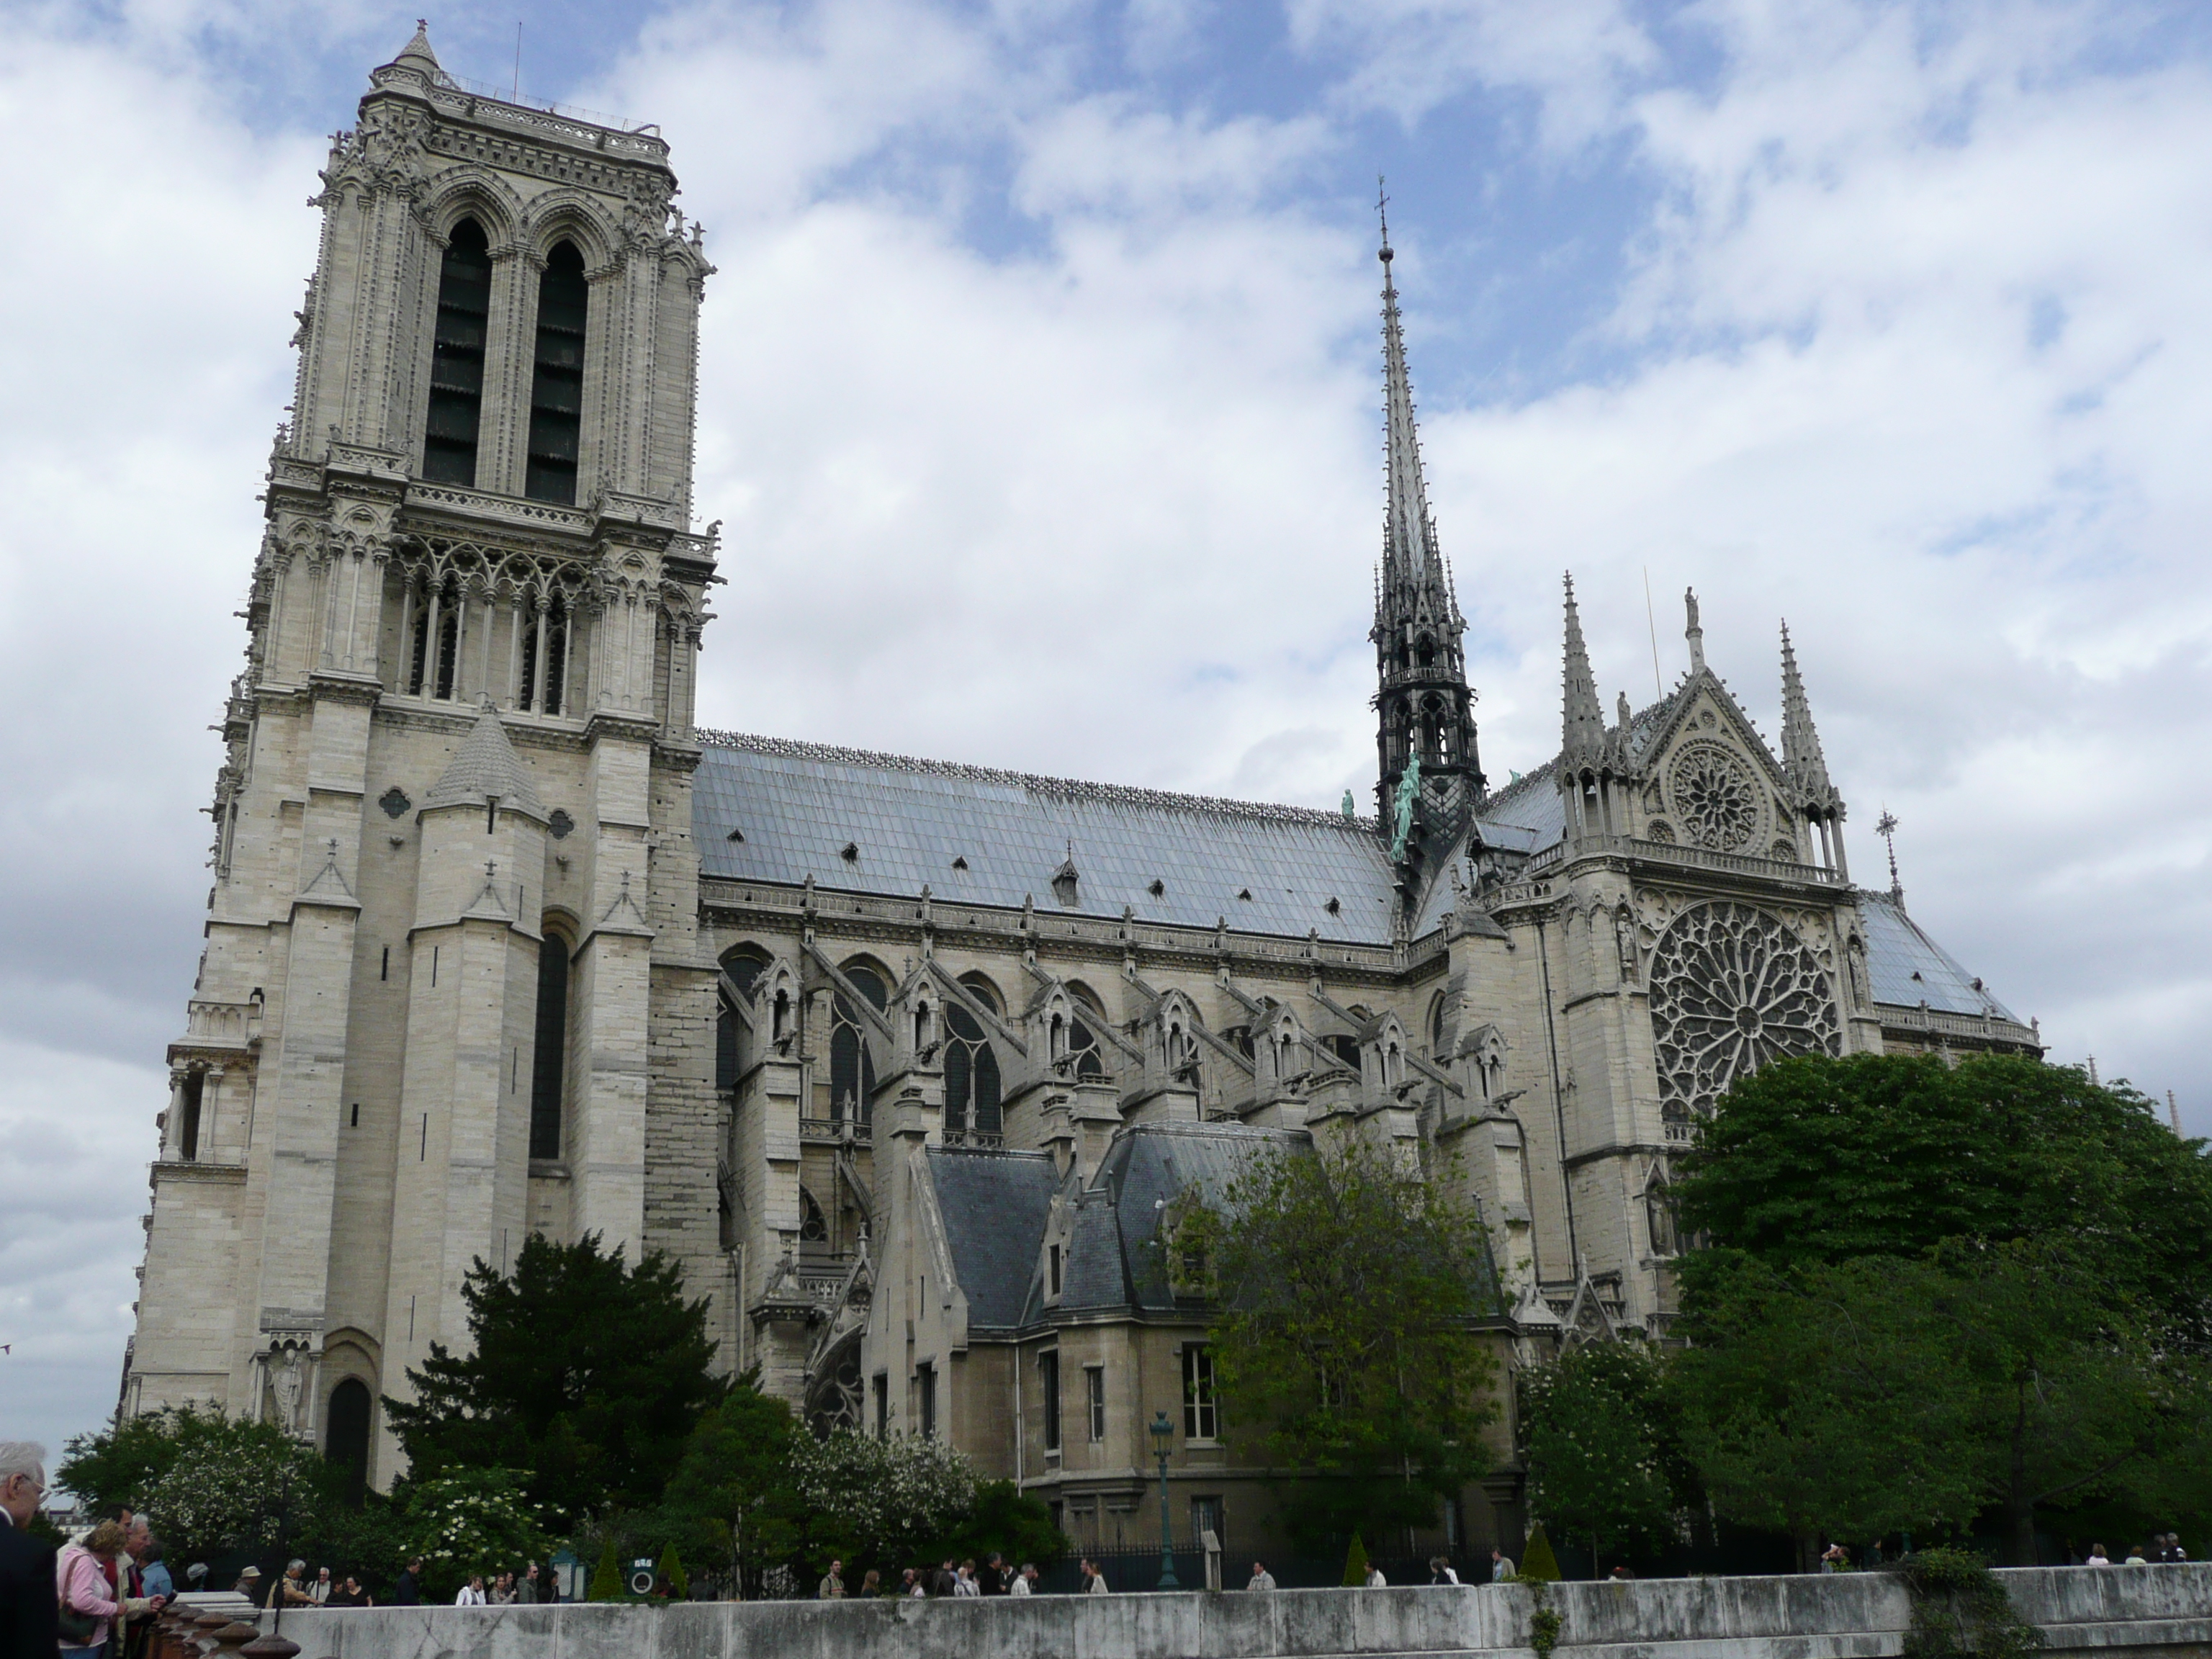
(1581, 717)
(417, 50)
(1800, 744)
(1410, 556)
(1426, 707)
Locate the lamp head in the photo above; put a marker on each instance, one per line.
(1163, 1431)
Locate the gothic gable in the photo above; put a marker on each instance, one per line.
(1709, 779)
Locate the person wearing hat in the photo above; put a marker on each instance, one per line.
(249, 1583)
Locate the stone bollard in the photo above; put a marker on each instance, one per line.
(173, 1631)
(231, 1638)
(272, 1646)
(200, 1639)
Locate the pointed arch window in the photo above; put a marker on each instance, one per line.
(1083, 1035)
(971, 1075)
(549, 1052)
(457, 358)
(851, 1068)
(556, 389)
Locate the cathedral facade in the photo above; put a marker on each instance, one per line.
(911, 1066)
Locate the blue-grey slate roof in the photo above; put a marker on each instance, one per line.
(799, 805)
(1150, 1166)
(994, 1206)
(1097, 1273)
(1908, 966)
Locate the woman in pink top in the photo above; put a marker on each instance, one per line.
(83, 1588)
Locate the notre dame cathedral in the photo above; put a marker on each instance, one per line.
(905, 1062)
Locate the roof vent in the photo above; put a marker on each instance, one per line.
(852, 852)
(1159, 889)
(1335, 907)
(737, 835)
(1065, 882)
(960, 863)
(1245, 893)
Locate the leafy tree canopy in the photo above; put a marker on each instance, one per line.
(213, 1485)
(1823, 1160)
(733, 1499)
(585, 1375)
(472, 1520)
(1351, 1295)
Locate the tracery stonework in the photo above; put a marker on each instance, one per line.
(1713, 796)
(1731, 990)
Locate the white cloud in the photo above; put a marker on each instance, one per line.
(1911, 352)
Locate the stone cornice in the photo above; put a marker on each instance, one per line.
(178, 1169)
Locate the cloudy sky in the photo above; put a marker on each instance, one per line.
(1040, 408)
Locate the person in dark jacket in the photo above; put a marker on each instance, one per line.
(29, 1611)
(408, 1592)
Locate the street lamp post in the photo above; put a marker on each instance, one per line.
(1163, 1440)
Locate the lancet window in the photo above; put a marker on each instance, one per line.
(433, 655)
(851, 1068)
(971, 1075)
(744, 966)
(546, 638)
(556, 389)
(457, 358)
(550, 1051)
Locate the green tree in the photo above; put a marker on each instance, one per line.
(122, 1462)
(472, 1520)
(1936, 1289)
(1823, 1160)
(672, 1576)
(1604, 1459)
(1826, 1400)
(242, 1487)
(1537, 1560)
(606, 1583)
(733, 1498)
(586, 1375)
(883, 1500)
(1351, 1299)
(1355, 1561)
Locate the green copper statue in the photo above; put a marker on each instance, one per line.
(1409, 791)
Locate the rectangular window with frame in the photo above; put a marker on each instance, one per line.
(925, 1382)
(1201, 1413)
(883, 1405)
(1094, 1388)
(1204, 1517)
(1052, 1261)
(1048, 1379)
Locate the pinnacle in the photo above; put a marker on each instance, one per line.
(1582, 716)
(417, 50)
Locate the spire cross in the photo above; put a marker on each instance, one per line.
(1886, 827)
(1383, 213)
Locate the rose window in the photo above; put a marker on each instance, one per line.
(1714, 797)
(1731, 990)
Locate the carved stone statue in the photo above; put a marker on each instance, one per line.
(1409, 791)
(284, 1378)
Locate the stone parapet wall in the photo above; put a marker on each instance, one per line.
(2146, 1612)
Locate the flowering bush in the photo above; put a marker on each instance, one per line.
(473, 1521)
(891, 1497)
(237, 1486)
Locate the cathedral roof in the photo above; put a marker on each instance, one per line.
(1908, 968)
(798, 806)
(994, 1206)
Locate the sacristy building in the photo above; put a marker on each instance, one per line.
(904, 1061)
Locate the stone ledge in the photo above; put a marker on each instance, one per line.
(2146, 1612)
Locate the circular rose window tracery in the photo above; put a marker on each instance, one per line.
(1731, 990)
(1713, 796)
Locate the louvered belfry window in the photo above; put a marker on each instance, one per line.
(456, 363)
(557, 390)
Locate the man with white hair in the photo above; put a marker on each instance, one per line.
(29, 1611)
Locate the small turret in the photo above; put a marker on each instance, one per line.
(1581, 721)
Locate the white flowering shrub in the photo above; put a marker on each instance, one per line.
(242, 1487)
(473, 1521)
(891, 1495)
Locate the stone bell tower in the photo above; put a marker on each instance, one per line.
(450, 993)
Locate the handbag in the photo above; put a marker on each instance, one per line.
(75, 1627)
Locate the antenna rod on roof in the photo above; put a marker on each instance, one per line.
(1651, 621)
(515, 97)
